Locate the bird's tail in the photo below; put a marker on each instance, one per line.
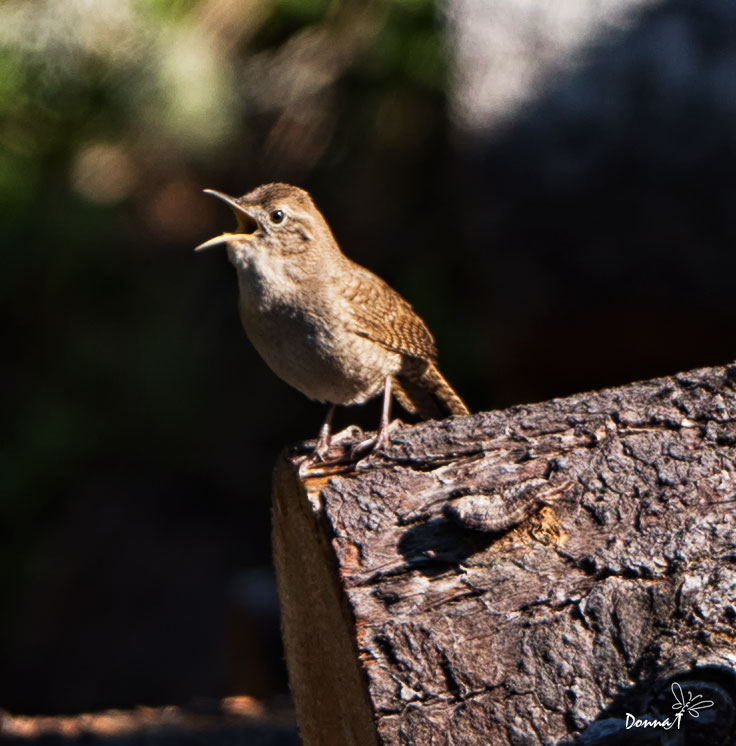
(421, 389)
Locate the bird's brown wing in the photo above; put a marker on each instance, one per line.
(379, 313)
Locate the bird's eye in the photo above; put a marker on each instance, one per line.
(277, 216)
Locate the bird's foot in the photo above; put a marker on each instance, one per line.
(351, 432)
(328, 454)
(370, 446)
(321, 450)
(342, 452)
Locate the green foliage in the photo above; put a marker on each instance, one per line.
(302, 11)
(167, 11)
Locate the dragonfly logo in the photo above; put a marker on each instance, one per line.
(685, 704)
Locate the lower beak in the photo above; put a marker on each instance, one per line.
(217, 240)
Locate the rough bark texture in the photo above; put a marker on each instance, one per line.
(521, 577)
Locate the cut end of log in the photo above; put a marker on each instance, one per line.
(328, 685)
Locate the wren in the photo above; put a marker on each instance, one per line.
(324, 324)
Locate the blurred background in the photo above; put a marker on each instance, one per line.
(550, 184)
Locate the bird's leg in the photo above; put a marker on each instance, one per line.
(323, 444)
(382, 437)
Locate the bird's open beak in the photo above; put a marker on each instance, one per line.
(247, 224)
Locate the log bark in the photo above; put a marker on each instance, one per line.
(529, 576)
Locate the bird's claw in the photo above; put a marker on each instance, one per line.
(343, 452)
(370, 446)
(328, 454)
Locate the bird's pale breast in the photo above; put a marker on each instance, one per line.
(318, 355)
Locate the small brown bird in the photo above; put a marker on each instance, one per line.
(324, 324)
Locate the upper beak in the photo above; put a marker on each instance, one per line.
(247, 224)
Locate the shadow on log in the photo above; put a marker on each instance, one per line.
(547, 574)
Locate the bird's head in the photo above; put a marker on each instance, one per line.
(276, 223)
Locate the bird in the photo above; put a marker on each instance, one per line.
(324, 324)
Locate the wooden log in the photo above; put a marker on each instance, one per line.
(544, 574)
